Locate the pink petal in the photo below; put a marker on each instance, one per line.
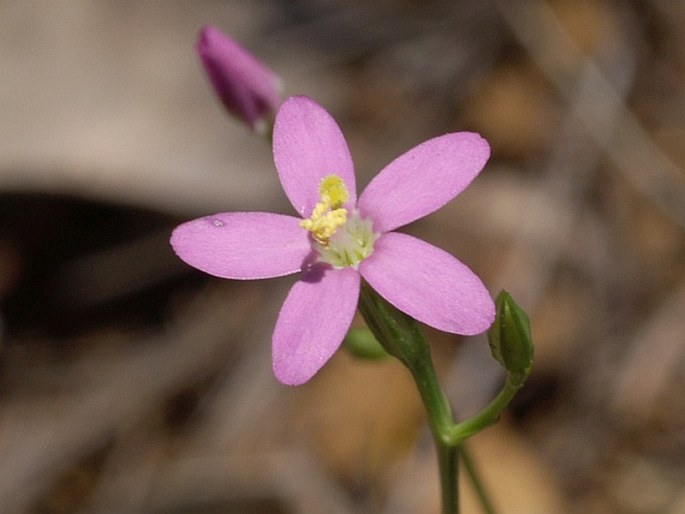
(428, 284)
(313, 322)
(423, 179)
(308, 145)
(243, 245)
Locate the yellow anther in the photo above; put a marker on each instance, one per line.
(328, 215)
(323, 226)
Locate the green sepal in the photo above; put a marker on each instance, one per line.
(399, 334)
(510, 338)
(362, 344)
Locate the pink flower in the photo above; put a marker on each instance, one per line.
(247, 88)
(340, 239)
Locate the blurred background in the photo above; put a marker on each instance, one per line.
(130, 383)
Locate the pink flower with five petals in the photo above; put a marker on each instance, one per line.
(340, 239)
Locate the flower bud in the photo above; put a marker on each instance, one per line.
(248, 89)
(509, 336)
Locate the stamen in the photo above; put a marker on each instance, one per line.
(342, 239)
(323, 222)
(328, 215)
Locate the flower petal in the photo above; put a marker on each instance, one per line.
(313, 322)
(423, 179)
(308, 145)
(428, 284)
(243, 245)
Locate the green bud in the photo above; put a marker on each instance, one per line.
(509, 336)
(362, 344)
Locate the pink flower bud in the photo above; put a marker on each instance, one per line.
(247, 88)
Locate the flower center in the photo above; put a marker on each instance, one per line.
(341, 238)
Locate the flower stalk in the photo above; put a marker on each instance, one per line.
(401, 336)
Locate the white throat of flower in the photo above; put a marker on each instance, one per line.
(341, 238)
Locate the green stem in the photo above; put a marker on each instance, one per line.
(401, 336)
(489, 414)
(441, 422)
(448, 464)
(474, 476)
(437, 406)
